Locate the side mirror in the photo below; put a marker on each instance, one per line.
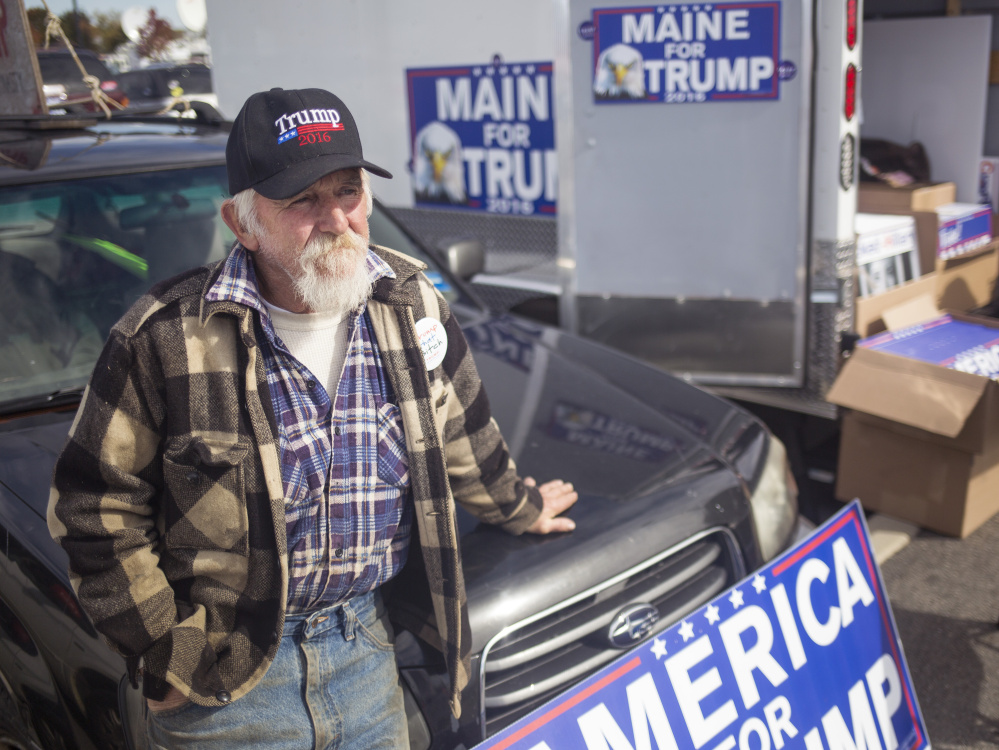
(465, 258)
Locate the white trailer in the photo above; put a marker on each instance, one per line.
(712, 238)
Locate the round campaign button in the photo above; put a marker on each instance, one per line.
(433, 341)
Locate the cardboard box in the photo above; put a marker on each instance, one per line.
(869, 312)
(962, 228)
(919, 201)
(920, 442)
(878, 198)
(887, 255)
(968, 281)
(963, 284)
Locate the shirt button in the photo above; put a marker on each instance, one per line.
(222, 696)
(336, 430)
(191, 476)
(338, 552)
(311, 385)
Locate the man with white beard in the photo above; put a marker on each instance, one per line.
(270, 443)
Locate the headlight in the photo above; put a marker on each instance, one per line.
(775, 502)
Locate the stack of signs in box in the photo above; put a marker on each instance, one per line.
(988, 182)
(955, 344)
(887, 253)
(962, 228)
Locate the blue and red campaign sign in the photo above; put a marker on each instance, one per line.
(678, 53)
(483, 138)
(804, 653)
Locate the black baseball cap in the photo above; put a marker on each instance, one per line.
(282, 141)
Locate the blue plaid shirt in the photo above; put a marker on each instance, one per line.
(343, 460)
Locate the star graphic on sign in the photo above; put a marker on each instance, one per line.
(759, 583)
(530, 68)
(736, 599)
(659, 648)
(686, 630)
(490, 70)
(476, 71)
(712, 614)
(516, 69)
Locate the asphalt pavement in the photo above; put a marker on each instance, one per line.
(944, 593)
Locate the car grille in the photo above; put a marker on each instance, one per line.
(533, 661)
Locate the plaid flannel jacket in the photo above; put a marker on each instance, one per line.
(169, 502)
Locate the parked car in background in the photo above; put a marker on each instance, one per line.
(162, 85)
(682, 494)
(62, 82)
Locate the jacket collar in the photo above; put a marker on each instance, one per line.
(400, 290)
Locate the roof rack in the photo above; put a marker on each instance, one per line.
(48, 122)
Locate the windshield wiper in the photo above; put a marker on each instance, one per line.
(61, 397)
(73, 391)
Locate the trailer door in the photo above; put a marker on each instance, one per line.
(684, 137)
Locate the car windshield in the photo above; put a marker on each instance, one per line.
(192, 80)
(74, 255)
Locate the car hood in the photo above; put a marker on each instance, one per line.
(654, 460)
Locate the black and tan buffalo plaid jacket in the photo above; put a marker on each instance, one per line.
(169, 502)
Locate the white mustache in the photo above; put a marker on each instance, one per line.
(334, 276)
(326, 244)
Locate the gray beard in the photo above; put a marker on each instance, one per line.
(334, 276)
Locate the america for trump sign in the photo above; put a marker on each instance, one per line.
(802, 654)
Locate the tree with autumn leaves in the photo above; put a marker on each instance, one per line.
(155, 36)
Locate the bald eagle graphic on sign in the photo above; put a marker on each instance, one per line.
(620, 73)
(438, 167)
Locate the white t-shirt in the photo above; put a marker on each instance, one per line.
(317, 340)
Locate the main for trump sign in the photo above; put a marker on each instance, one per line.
(689, 52)
(803, 654)
(483, 138)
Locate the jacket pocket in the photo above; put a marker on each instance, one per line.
(205, 498)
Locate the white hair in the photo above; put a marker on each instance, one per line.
(245, 203)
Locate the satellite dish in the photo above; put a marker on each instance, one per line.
(132, 21)
(193, 14)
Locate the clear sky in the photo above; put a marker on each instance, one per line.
(164, 8)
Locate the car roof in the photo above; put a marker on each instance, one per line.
(34, 150)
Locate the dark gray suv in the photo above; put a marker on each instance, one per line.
(681, 493)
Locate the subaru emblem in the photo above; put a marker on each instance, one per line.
(631, 625)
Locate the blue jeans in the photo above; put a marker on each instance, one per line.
(333, 684)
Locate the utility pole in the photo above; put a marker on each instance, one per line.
(76, 22)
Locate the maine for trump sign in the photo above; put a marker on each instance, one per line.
(678, 53)
(803, 654)
(483, 138)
